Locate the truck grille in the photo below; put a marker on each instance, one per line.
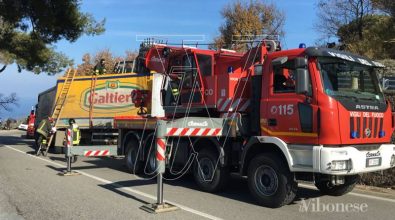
(366, 127)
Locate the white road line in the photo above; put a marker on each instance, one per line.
(185, 208)
(354, 194)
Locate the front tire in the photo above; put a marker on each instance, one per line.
(208, 173)
(270, 181)
(327, 188)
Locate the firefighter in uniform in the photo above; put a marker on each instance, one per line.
(76, 131)
(43, 131)
(175, 88)
(100, 68)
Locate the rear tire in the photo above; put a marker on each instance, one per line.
(270, 181)
(208, 173)
(132, 161)
(327, 188)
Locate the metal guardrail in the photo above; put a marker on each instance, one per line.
(388, 83)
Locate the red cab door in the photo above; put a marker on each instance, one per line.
(289, 116)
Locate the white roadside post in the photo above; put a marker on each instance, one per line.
(160, 206)
(68, 145)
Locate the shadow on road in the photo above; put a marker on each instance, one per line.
(115, 189)
(8, 138)
(60, 159)
(61, 169)
(109, 162)
(305, 193)
(237, 189)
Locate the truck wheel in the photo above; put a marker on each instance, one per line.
(208, 173)
(327, 188)
(270, 181)
(150, 166)
(133, 164)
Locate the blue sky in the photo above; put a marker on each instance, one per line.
(127, 19)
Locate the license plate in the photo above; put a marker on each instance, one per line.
(372, 162)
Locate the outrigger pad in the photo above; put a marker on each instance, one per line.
(159, 208)
(72, 173)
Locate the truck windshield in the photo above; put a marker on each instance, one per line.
(350, 80)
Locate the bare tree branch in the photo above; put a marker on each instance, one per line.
(3, 68)
(334, 14)
(7, 101)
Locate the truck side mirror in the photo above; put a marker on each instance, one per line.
(302, 81)
(385, 83)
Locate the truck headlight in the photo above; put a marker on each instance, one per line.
(392, 163)
(337, 165)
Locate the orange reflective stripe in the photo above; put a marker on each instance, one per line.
(295, 134)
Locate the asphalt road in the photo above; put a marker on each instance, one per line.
(30, 188)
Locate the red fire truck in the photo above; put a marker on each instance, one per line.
(30, 124)
(275, 116)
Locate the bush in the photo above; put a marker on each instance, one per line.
(384, 178)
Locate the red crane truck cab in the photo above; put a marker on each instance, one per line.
(275, 116)
(329, 101)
